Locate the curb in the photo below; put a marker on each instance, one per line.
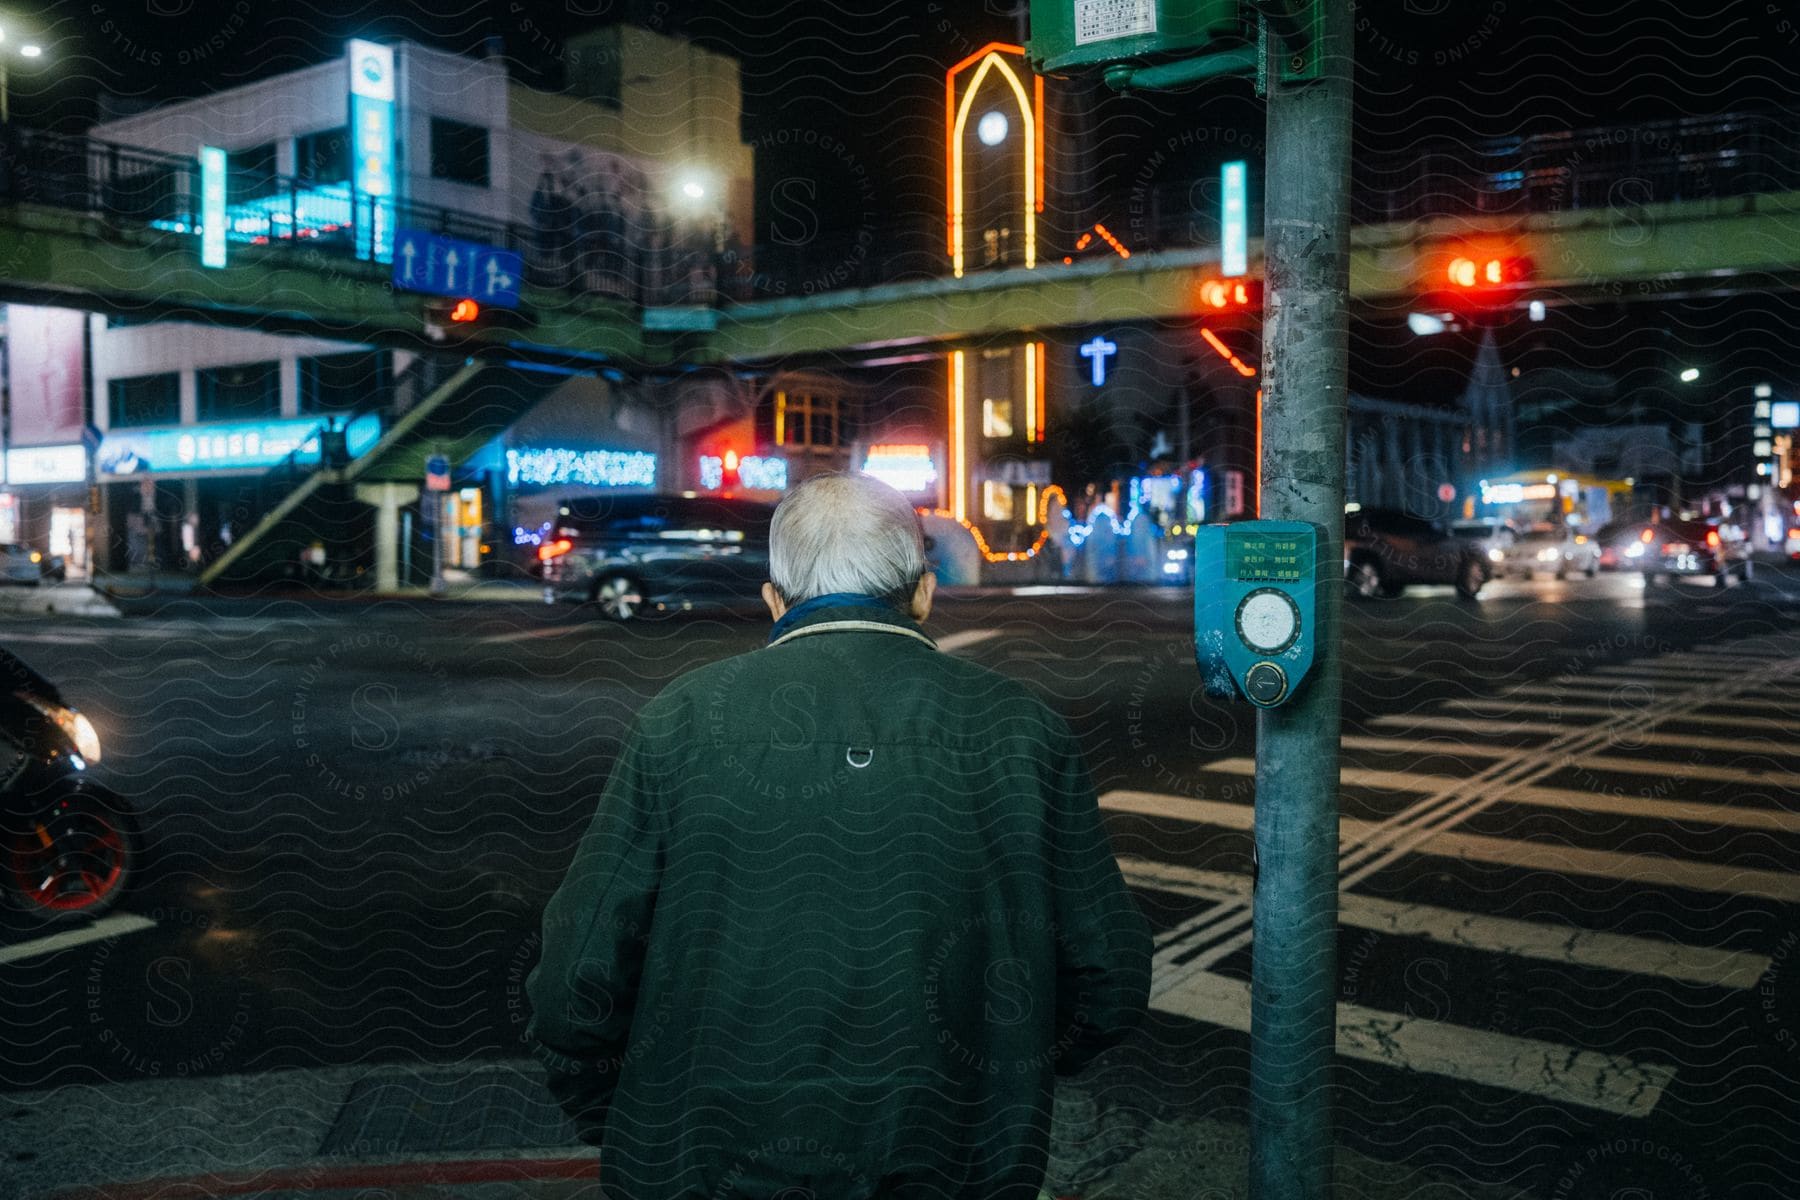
(345, 1177)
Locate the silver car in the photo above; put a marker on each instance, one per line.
(1554, 549)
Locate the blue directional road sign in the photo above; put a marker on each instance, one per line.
(445, 266)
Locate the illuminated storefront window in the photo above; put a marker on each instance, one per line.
(996, 500)
(807, 421)
(996, 418)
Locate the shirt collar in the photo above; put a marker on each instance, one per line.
(848, 610)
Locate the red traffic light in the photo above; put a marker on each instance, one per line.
(1485, 272)
(465, 311)
(1219, 294)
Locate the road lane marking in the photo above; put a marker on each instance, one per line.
(1568, 945)
(1556, 1072)
(1488, 726)
(1549, 857)
(117, 925)
(526, 635)
(962, 639)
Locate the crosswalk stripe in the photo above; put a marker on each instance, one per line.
(1752, 776)
(1556, 1072)
(1711, 966)
(1602, 710)
(1552, 857)
(1693, 812)
(1488, 726)
(117, 925)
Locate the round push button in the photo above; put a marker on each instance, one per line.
(1265, 684)
(1268, 621)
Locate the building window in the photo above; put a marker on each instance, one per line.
(234, 393)
(996, 500)
(322, 157)
(250, 173)
(459, 152)
(336, 383)
(144, 400)
(996, 418)
(807, 422)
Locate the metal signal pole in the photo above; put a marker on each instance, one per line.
(1306, 246)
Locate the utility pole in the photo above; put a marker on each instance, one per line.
(1293, 1007)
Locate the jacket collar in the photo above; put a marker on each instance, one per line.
(844, 613)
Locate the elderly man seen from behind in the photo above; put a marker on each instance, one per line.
(846, 906)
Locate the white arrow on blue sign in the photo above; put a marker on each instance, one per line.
(444, 266)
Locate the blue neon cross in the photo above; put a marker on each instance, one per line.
(1097, 352)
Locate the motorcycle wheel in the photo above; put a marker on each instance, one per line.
(73, 860)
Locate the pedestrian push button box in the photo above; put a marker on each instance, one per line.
(1255, 608)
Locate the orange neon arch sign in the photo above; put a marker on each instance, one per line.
(989, 60)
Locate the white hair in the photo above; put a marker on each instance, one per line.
(845, 533)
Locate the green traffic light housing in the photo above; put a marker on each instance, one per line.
(1169, 43)
(1071, 34)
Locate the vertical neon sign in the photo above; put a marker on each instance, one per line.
(372, 140)
(1234, 222)
(212, 206)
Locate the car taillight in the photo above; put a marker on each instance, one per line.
(556, 549)
(1794, 535)
(1649, 535)
(1675, 547)
(1712, 538)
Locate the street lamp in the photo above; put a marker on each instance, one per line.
(26, 50)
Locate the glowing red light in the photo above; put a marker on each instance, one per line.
(465, 310)
(556, 549)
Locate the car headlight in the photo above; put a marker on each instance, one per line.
(1496, 556)
(75, 726)
(1635, 550)
(1550, 554)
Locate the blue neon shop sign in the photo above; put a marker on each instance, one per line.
(224, 446)
(372, 172)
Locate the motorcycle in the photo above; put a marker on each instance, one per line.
(68, 845)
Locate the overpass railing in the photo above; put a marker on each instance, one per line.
(1616, 167)
(646, 261)
(650, 259)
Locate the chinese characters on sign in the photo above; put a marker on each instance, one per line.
(1261, 558)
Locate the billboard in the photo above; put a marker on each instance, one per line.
(45, 374)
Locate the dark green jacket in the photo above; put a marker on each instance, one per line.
(844, 910)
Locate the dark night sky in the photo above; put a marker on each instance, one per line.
(869, 72)
(867, 77)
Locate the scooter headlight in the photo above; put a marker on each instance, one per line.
(75, 726)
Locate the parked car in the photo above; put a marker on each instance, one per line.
(19, 563)
(624, 553)
(1386, 551)
(68, 845)
(1552, 548)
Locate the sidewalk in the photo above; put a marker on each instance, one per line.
(489, 1131)
(72, 599)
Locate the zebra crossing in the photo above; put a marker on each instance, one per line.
(1717, 724)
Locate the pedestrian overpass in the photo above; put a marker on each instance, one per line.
(110, 229)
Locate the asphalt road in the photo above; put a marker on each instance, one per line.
(1570, 940)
